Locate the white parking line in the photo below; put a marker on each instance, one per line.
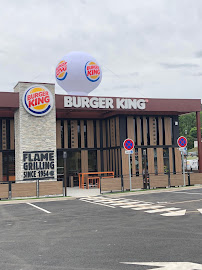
(46, 211)
(187, 192)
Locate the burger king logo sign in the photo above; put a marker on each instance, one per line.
(37, 100)
(61, 70)
(92, 71)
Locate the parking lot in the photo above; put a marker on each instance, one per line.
(140, 230)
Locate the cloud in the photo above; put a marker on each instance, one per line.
(197, 74)
(198, 54)
(174, 66)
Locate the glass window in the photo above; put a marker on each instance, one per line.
(144, 160)
(60, 165)
(166, 160)
(9, 166)
(74, 162)
(62, 133)
(136, 162)
(155, 162)
(92, 161)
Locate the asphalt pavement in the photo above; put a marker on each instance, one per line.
(153, 230)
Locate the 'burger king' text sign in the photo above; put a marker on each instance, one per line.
(37, 100)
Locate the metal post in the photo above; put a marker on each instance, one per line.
(183, 168)
(37, 188)
(65, 172)
(129, 172)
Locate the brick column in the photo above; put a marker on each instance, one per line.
(198, 124)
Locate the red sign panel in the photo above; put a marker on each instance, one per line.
(128, 144)
(182, 141)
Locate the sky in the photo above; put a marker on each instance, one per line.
(146, 48)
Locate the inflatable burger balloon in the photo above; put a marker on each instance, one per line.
(78, 73)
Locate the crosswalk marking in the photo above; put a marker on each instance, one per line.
(162, 210)
(174, 213)
(148, 207)
(200, 210)
(136, 205)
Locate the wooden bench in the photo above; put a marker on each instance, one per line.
(93, 181)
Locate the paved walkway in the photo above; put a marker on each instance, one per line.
(79, 192)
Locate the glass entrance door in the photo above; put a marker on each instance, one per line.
(73, 167)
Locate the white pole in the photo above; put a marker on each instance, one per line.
(129, 172)
(183, 168)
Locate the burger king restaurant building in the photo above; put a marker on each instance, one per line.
(48, 137)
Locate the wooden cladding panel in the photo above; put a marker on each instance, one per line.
(138, 131)
(145, 130)
(112, 131)
(82, 133)
(158, 181)
(65, 134)
(125, 165)
(109, 184)
(119, 160)
(136, 182)
(24, 190)
(114, 161)
(171, 159)
(160, 131)
(195, 178)
(160, 160)
(98, 133)
(130, 127)
(84, 161)
(4, 191)
(1, 167)
(140, 160)
(152, 130)
(178, 161)
(117, 132)
(12, 135)
(104, 133)
(50, 188)
(150, 155)
(178, 179)
(90, 134)
(168, 130)
(74, 134)
(58, 133)
(108, 133)
(4, 141)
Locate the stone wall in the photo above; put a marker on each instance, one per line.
(33, 133)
